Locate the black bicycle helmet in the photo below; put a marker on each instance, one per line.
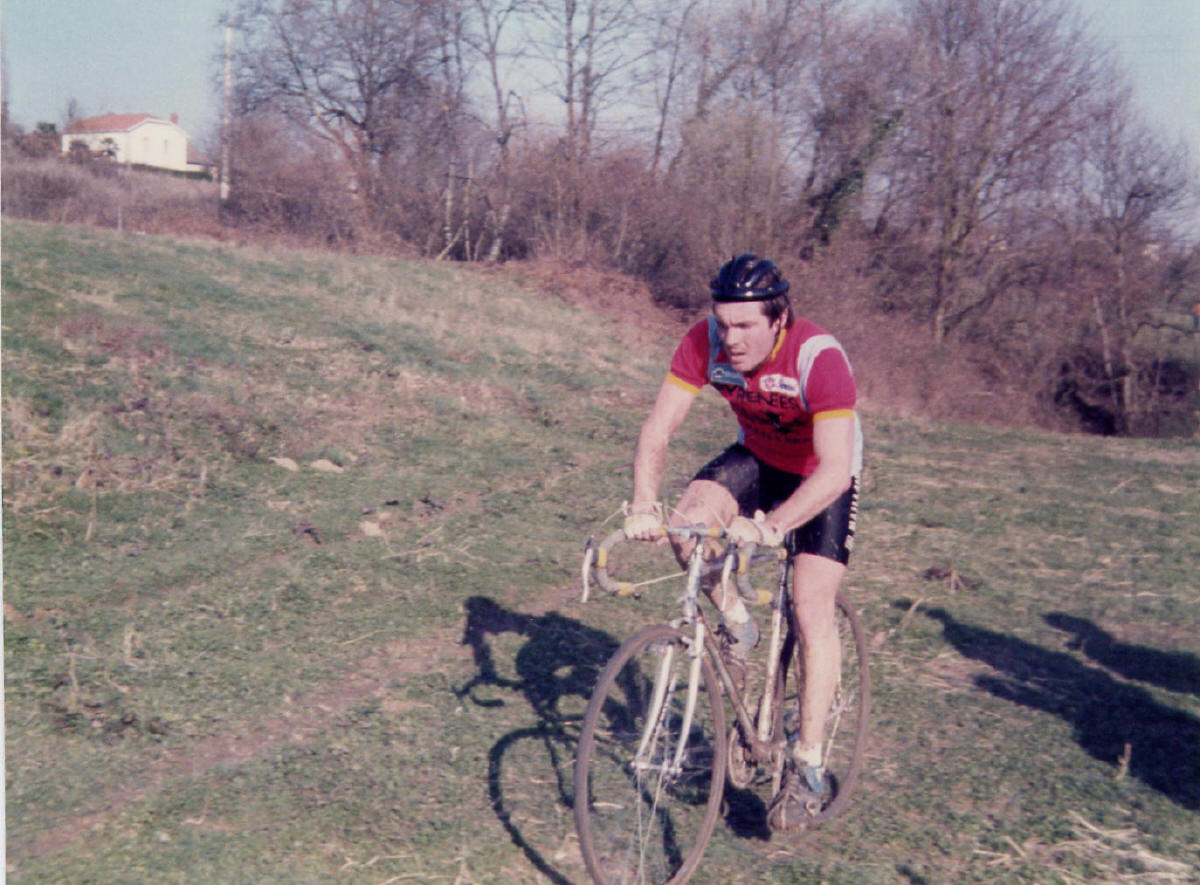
(747, 277)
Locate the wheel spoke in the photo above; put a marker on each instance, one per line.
(648, 786)
(846, 724)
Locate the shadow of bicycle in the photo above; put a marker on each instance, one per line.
(530, 769)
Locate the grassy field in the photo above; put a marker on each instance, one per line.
(291, 591)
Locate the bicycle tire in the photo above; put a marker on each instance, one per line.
(848, 722)
(643, 823)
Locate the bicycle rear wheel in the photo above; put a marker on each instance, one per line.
(642, 816)
(846, 726)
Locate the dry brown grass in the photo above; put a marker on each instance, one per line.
(1094, 854)
(108, 196)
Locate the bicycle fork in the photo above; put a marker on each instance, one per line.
(664, 682)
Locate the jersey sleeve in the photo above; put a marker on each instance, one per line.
(830, 390)
(689, 365)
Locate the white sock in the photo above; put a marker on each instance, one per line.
(736, 614)
(806, 755)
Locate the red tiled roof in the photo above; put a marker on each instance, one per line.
(108, 123)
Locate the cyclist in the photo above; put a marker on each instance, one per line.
(791, 479)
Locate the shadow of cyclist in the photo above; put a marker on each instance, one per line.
(746, 814)
(1105, 713)
(1172, 670)
(560, 657)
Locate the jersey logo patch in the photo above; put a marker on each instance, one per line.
(779, 384)
(719, 373)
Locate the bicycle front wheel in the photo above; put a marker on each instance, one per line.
(650, 769)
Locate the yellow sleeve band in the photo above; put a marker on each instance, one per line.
(683, 385)
(836, 413)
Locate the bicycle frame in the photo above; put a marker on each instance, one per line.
(763, 744)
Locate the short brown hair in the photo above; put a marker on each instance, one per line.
(775, 307)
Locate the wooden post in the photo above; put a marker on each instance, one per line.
(226, 122)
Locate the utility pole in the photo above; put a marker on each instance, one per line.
(227, 119)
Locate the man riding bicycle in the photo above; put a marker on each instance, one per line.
(791, 479)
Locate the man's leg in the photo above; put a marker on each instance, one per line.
(704, 502)
(814, 590)
(709, 503)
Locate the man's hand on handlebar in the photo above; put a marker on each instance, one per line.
(644, 522)
(754, 531)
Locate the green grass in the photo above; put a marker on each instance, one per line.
(220, 669)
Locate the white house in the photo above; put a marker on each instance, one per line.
(137, 139)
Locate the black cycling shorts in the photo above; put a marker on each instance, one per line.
(759, 486)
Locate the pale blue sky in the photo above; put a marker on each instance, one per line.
(1159, 43)
(157, 57)
(118, 56)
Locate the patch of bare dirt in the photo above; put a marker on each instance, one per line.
(302, 719)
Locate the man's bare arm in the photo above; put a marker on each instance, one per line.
(833, 444)
(650, 459)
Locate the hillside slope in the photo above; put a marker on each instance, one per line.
(290, 590)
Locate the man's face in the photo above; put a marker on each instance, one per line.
(747, 335)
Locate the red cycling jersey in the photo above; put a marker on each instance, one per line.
(805, 379)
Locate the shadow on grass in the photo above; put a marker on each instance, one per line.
(1172, 670)
(561, 657)
(1107, 714)
(555, 644)
(746, 814)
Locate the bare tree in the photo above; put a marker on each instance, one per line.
(668, 64)
(586, 43)
(999, 91)
(73, 113)
(747, 130)
(492, 26)
(1127, 184)
(857, 104)
(6, 130)
(289, 181)
(354, 72)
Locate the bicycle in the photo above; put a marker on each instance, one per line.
(654, 753)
